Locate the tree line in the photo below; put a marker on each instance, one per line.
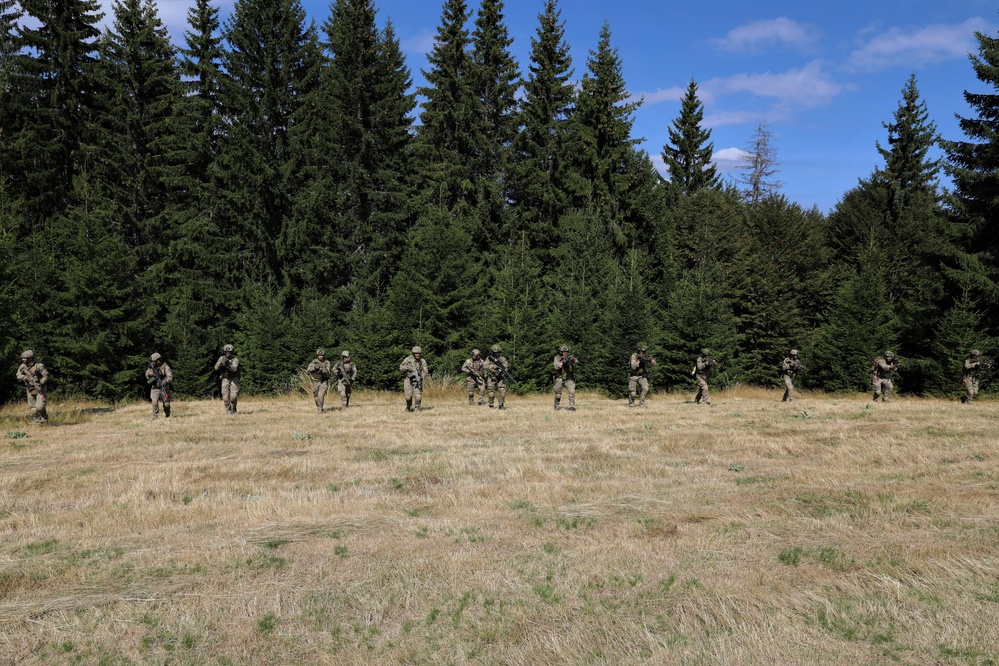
(282, 186)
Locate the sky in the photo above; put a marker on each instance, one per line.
(823, 76)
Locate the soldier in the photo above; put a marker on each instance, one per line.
(228, 367)
(34, 375)
(475, 382)
(789, 370)
(972, 364)
(881, 371)
(702, 370)
(346, 372)
(159, 377)
(319, 369)
(639, 375)
(565, 375)
(497, 372)
(416, 371)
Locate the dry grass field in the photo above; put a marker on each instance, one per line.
(825, 531)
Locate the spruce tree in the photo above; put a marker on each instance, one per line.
(53, 87)
(973, 165)
(197, 260)
(496, 78)
(604, 147)
(540, 192)
(451, 130)
(760, 167)
(271, 71)
(688, 153)
(139, 88)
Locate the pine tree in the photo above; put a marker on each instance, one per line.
(10, 114)
(540, 192)
(605, 157)
(688, 154)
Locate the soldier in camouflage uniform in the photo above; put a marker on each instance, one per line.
(34, 375)
(416, 371)
(228, 367)
(789, 370)
(639, 375)
(159, 377)
(346, 373)
(565, 376)
(881, 371)
(497, 372)
(319, 370)
(702, 371)
(972, 364)
(475, 381)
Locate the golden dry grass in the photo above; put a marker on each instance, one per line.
(750, 532)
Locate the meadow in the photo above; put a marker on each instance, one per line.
(826, 531)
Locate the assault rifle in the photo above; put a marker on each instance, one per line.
(504, 372)
(157, 377)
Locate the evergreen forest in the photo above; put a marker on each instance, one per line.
(280, 184)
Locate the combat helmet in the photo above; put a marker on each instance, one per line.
(345, 354)
(889, 354)
(476, 352)
(641, 347)
(155, 356)
(229, 348)
(417, 350)
(563, 348)
(975, 352)
(705, 351)
(496, 349)
(794, 352)
(320, 352)
(27, 353)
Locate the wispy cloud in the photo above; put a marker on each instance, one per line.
(807, 86)
(422, 42)
(913, 46)
(760, 34)
(673, 94)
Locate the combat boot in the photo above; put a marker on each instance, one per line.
(166, 412)
(502, 406)
(409, 405)
(556, 403)
(631, 401)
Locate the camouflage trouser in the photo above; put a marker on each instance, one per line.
(414, 394)
(475, 386)
(319, 389)
(36, 406)
(230, 394)
(344, 390)
(494, 385)
(970, 389)
(156, 396)
(882, 389)
(570, 385)
(702, 390)
(788, 389)
(634, 381)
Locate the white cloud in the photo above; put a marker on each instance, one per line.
(808, 86)
(173, 14)
(913, 46)
(729, 159)
(673, 94)
(757, 34)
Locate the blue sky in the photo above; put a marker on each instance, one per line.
(823, 75)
